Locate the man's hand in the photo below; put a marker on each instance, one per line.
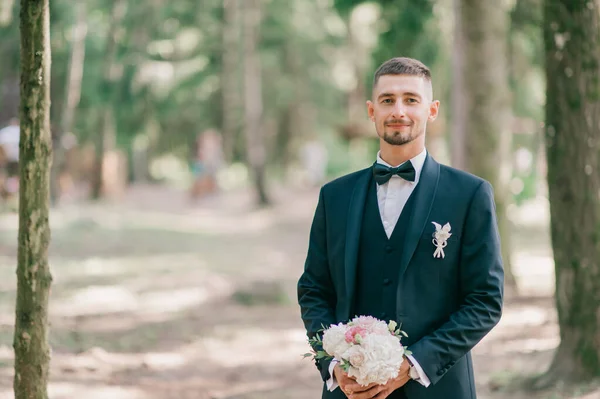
(356, 391)
(344, 380)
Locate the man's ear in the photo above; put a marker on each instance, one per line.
(434, 109)
(370, 110)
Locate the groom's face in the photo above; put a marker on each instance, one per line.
(401, 107)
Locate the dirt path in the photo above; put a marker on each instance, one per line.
(157, 298)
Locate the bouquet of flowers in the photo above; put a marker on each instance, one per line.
(368, 349)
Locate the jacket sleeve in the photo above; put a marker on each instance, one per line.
(481, 279)
(316, 293)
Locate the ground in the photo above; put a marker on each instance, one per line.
(155, 297)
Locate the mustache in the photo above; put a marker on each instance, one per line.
(398, 122)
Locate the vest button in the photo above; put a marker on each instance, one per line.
(383, 316)
(388, 248)
(386, 281)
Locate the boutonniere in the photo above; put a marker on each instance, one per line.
(440, 239)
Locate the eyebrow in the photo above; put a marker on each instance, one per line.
(409, 94)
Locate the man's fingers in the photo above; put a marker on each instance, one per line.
(382, 395)
(355, 387)
(368, 394)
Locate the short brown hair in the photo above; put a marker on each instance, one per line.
(402, 66)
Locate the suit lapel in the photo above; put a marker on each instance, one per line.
(355, 217)
(425, 194)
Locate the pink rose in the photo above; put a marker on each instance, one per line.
(353, 332)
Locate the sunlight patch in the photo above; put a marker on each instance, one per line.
(231, 349)
(172, 300)
(69, 391)
(98, 299)
(63, 390)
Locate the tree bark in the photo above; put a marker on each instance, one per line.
(72, 96)
(255, 140)
(572, 44)
(32, 352)
(487, 116)
(295, 118)
(106, 138)
(230, 77)
(458, 93)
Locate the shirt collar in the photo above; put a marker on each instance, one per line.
(417, 163)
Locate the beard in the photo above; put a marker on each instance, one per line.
(395, 137)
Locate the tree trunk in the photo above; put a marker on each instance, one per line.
(255, 141)
(487, 116)
(106, 138)
(359, 63)
(571, 37)
(230, 82)
(294, 120)
(32, 352)
(73, 94)
(458, 93)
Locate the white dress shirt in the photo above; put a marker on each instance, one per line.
(391, 198)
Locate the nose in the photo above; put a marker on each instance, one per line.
(399, 111)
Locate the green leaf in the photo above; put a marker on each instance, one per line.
(345, 366)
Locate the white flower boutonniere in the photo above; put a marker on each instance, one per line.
(440, 239)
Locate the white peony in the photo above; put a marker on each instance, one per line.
(355, 355)
(383, 358)
(334, 340)
(373, 325)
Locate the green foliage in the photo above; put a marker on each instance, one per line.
(169, 66)
(405, 31)
(169, 70)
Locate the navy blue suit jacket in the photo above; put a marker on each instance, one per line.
(446, 305)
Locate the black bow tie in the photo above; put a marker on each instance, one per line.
(382, 173)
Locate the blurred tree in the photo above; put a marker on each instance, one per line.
(72, 96)
(526, 76)
(458, 94)
(32, 353)
(482, 34)
(106, 133)
(572, 43)
(230, 76)
(253, 102)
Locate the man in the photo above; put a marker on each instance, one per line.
(374, 250)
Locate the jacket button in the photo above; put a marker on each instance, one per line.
(383, 315)
(440, 372)
(386, 281)
(388, 248)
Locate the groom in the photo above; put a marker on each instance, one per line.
(374, 250)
